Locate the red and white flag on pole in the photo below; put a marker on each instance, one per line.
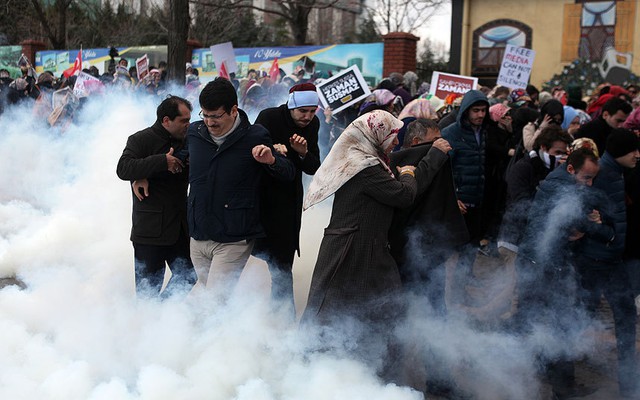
(223, 71)
(77, 66)
(274, 71)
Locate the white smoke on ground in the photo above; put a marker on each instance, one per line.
(78, 331)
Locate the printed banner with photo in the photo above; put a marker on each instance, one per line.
(342, 90)
(321, 61)
(9, 56)
(57, 61)
(516, 67)
(444, 84)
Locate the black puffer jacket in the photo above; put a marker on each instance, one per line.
(468, 156)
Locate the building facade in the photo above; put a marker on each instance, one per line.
(562, 32)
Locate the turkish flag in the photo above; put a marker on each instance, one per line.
(76, 68)
(223, 71)
(274, 71)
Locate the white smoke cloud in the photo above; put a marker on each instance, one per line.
(78, 332)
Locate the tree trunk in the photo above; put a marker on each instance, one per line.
(299, 24)
(178, 34)
(61, 31)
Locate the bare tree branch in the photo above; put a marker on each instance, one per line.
(402, 15)
(294, 12)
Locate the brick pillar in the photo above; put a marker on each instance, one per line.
(192, 44)
(30, 47)
(400, 52)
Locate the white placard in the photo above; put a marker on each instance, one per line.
(516, 66)
(223, 52)
(343, 89)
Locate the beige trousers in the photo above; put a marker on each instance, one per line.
(219, 265)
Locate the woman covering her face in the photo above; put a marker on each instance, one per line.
(551, 113)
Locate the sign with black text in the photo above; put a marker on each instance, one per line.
(516, 66)
(342, 90)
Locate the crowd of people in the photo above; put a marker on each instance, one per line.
(545, 182)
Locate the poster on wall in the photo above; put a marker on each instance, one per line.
(343, 89)
(9, 56)
(57, 61)
(326, 60)
(516, 67)
(444, 84)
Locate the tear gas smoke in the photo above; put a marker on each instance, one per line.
(78, 332)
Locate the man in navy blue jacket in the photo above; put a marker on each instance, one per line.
(227, 158)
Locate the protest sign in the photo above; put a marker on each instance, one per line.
(87, 84)
(342, 90)
(443, 84)
(516, 66)
(142, 67)
(224, 53)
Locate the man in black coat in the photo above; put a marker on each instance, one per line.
(600, 260)
(160, 233)
(294, 130)
(424, 235)
(614, 112)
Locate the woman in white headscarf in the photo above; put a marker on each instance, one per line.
(356, 281)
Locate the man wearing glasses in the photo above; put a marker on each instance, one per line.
(228, 157)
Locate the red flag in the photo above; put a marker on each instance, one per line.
(223, 71)
(76, 68)
(274, 71)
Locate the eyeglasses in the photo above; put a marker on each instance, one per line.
(213, 117)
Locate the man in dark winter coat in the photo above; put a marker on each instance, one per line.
(423, 236)
(228, 157)
(160, 233)
(467, 138)
(565, 210)
(600, 262)
(294, 130)
(614, 112)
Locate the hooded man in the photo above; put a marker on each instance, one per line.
(467, 137)
(294, 130)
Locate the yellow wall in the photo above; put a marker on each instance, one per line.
(635, 67)
(545, 17)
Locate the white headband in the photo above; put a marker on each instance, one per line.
(306, 98)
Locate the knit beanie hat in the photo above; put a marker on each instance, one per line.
(497, 111)
(302, 95)
(621, 142)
